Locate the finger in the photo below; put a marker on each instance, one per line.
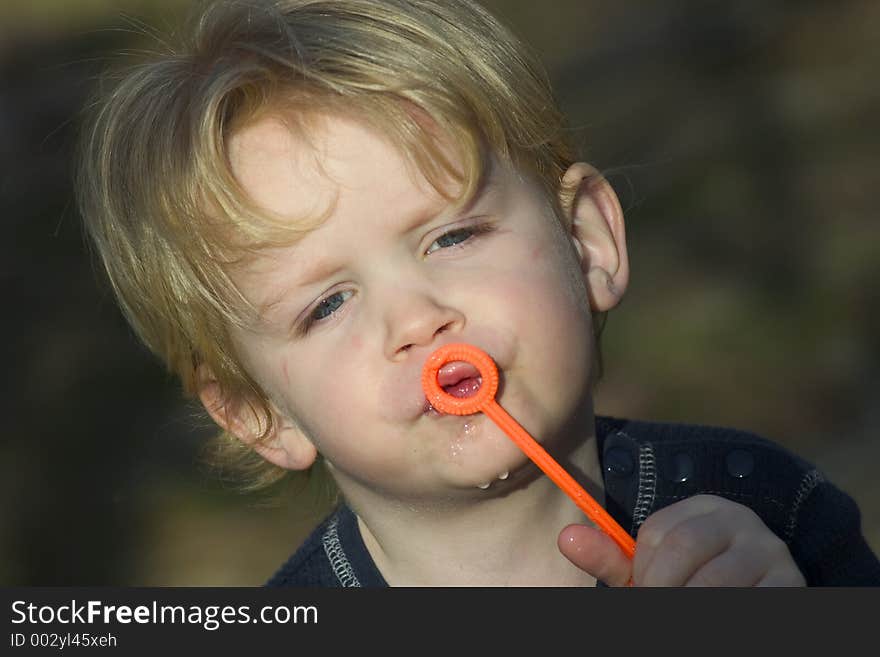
(594, 552)
(735, 567)
(683, 549)
(783, 577)
(658, 525)
(756, 557)
(781, 569)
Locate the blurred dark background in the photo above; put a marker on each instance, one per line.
(742, 138)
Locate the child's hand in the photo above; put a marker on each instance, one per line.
(700, 541)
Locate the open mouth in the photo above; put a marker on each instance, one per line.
(458, 379)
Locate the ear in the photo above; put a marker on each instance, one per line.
(594, 220)
(286, 445)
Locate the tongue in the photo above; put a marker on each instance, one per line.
(459, 379)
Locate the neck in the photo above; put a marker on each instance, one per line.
(503, 536)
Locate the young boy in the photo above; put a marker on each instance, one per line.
(297, 209)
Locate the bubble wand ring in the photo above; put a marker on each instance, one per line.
(483, 401)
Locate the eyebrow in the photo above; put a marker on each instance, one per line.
(312, 273)
(280, 291)
(487, 186)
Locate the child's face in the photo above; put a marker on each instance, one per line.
(352, 311)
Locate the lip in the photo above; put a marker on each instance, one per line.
(456, 371)
(459, 378)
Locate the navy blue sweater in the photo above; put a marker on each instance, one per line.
(647, 466)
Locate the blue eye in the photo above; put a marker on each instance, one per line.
(325, 308)
(452, 238)
(458, 236)
(329, 305)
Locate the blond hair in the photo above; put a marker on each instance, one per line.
(166, 214)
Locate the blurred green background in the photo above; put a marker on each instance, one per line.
(742, 138)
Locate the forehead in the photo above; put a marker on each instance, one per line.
(301, 173)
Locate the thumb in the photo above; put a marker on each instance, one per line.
(596, 553)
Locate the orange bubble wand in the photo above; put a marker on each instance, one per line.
(484, 402)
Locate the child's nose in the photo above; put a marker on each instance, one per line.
(415, 319)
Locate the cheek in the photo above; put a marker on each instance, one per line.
(550, 290)
(553, 265)
(314, 390)
(549, 309)
(325, 394)
(537, 254)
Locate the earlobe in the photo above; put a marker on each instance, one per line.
(595, 223)
(282, 443)
(288, 448)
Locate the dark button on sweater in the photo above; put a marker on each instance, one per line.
(740, 463)
(619, 462)
(681, 468)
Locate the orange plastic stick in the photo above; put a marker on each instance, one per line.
(484, 401)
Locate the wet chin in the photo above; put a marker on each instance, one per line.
(478, 454)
